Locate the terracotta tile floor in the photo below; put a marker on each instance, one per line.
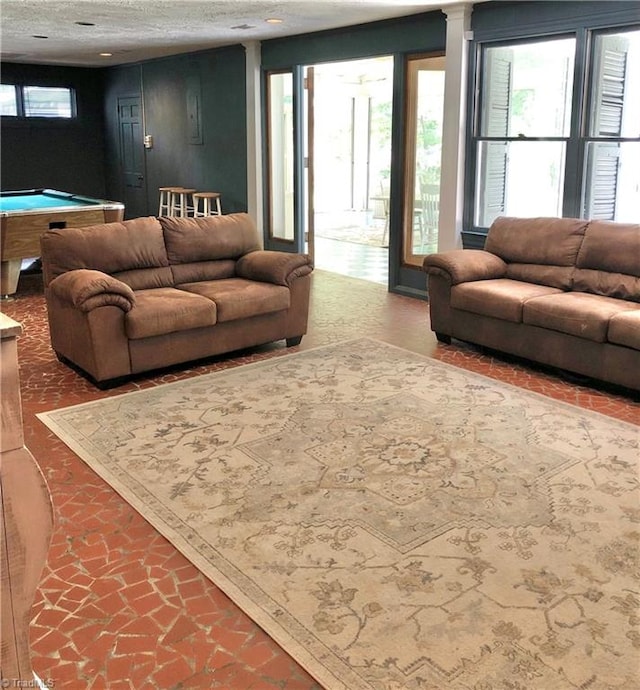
(118, 607)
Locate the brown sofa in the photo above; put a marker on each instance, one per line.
(129, 297)
(560, 291)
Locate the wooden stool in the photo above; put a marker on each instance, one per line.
(166, 200)
(207, 208)
(180, 202)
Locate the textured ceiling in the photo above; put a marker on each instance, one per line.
(134, 30)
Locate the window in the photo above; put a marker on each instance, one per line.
(37, 101)
(8, 100)
(612, 145)
(40, 101)
(524, 126)
(539, 150)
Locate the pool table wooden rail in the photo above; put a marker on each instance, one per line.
(20, 234)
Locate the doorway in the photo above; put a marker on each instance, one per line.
(132, 164)
(349, 140)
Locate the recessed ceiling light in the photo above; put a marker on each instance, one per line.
(105, 54)
(242, 27)
(85, 23)
(273, 20)
(39, 36)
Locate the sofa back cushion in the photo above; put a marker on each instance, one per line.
(203, 270)
(191, 240)
(113, 248)
(547, 241)
(553, 276)
(537, 250)
(609, 260)
(146, 278)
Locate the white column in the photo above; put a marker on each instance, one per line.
(254, 133)
(454, 127)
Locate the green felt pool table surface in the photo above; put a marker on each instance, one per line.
(40, 199)
(26, 214)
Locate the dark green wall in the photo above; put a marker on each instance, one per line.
(65, 155)
(219, 162)
(415, 33)
(512, 19)
(119, 81)
(83, 155)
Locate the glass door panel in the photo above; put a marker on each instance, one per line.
(281, 156)
(423, 154)
(349, 154)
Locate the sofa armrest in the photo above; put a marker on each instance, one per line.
(280, 268)
(87, 289)
(462, 265)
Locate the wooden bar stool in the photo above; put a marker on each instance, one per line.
(207, 199)
(180, 201)
(166, 200)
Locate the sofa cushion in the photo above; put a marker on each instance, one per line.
(203, 270)
(624, 329)
(553, 276)
(111, 248)
(546, 241)
(609, 260)
(146, 278)
(237, 298)
(166, 310)
(213, 237)
(501, 298)
(616, 285)
(576, 313)
(611, 247)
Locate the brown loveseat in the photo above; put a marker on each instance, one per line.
(124, 298)
(560, 291)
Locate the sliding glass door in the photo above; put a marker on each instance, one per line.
(348, 165)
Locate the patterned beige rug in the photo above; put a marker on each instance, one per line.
(371, 235)
(392, 521)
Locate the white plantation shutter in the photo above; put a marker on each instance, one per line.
(602, 180)
(607, 112)
(495, 123)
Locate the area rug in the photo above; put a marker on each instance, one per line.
(371, 235)
(392, 521)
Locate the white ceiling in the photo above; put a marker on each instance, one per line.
(134, 30)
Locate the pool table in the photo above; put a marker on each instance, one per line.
(26, 214)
